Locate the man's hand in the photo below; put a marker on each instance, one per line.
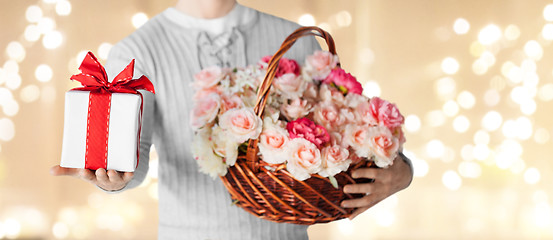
(109, 181)
(387, 181)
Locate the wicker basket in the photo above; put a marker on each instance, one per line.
(274, 194)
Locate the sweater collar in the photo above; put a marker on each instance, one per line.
(238, 16)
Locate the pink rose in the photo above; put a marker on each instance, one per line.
(294, 109)
(383, 145)
(205, 111)
(345, 82)
(327, 114)
(331, 94)
(285, 66)
(208, 77)
(386, 113)
(319, 65)
(241, 124)
(203, 93)
(335, 160)
(289, 85)
(364, 114)
(230, 102)
(272, 143)
(311, 91)
(307, 129)
(356, 136)
(304, 158)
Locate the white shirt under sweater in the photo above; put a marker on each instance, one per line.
(191, 204)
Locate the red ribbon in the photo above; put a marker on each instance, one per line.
(93, 77)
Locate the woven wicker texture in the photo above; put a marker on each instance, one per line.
(274, 194)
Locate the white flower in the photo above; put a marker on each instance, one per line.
(356, 137)
(202, 150)
(273, 142)
(304, 158)
(335, 160)
(241, 124)
(205, 110)
(383, 144)
(223, 146)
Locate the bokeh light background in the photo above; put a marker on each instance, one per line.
(473, 78)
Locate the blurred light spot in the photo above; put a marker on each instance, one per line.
(476, 49)
(385, 218)
(11, 66)
(450, 108)
(32, 33)
(528, 107)
(461, 124)
(306, 20)
(420, 167)
(480, 151)
(541, 136)
(68, 215)
(540, 196)
(52, 40)
(366, 56)
(543, 216)
(481, 137)
(533, 50)
(13, 81)
(492, 121)
(451, 180)
(33, 13)
(445, 87)
(5, 95)
(511, 147)
(448, 156)
(95, 200)
(504, 160)
(442, 33)
(470, 169)
(412, 123)
(491, 97)
(529, 66)
(60, 230)
(546, 92)
(435, 148)
(43, 73)
(532, 176)
(325, 26)
(519, 94)
(509, 129)
(46, 25)
(139, 19)
(10, 107)
(7, 129)
(512, 32)
(80, 57)
(488, 58)
(345, 226)
(461, 26)
(450, 65)
(497, 83)
(63, 8)
(548, 12)
(489, 34)
(547, 31)
(474, 225)
(343, 19)
(467, 152)
(153, 192)
(103, 50)
(523, 128)
(515, 75)
(16, 51)
(466, 100)
(506, 68)
(479, 67)
(153, 163)
(30, 93)
(371, 89)
(518, 166)
(48, 94)
(435, 118)
(12, 228)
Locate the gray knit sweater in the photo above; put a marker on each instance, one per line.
(169, 49)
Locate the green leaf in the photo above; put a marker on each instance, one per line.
(234, 202)
(333, 181)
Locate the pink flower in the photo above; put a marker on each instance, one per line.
(327, 114)
(383, 145)
(356, 137)
(304, 158)
(297, 108)
(289, 85)
(241, 124)
(345, 82)
(205, 111)
(273, 142)
(285, 66)
(331, 94)
(230, 102)
(386, 113)
(208, 77)
(203, 93)
(364, 115)
(319, 65)
(335, 160)
(307, 129)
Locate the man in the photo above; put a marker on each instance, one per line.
(169, 49)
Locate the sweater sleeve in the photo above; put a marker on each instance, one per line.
(118, 58)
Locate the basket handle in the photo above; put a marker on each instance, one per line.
(272, 67)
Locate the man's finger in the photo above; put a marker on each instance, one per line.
(357, 212)
(127, 176)
(367, 201)
(114, 176)
(61, 171)
(87, 175)
(102, 176)
(366, 173)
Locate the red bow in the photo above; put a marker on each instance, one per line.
(93, 77)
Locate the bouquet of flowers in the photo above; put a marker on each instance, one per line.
(281, 136)
(316, 121)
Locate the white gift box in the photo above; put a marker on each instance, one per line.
(123, 138)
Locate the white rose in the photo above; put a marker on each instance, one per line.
(202, 150)
(356, 137)
(304, 158)
(241, 124)
(205, 110)
(335, 160)
(273, 142)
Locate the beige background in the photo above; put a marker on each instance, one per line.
(479, 181)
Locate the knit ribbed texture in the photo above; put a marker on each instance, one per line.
(193, 205)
